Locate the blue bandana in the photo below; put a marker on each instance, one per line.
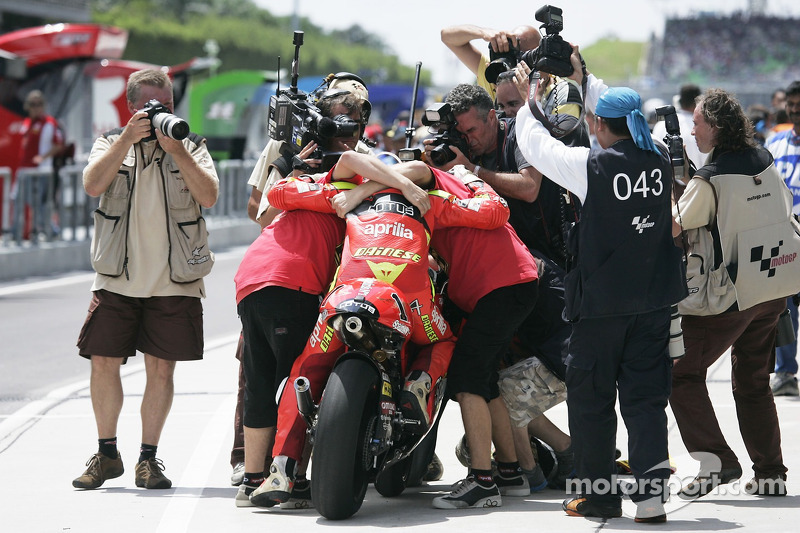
(618, 102)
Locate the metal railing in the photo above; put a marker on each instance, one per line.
(45, 206)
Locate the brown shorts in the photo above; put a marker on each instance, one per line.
(167, 327)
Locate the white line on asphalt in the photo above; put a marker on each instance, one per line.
(19, 421)
(181, 508)
(46, 284)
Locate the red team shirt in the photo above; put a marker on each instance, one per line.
(388, 239)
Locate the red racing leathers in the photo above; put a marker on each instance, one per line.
(387, 239)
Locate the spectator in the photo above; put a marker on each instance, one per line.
(722, 196)
(785, 148)
(146, 294)
(620, 331)
(459, 40)
(686, 102)
(42, 139)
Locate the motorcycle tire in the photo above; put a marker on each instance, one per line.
(348, 403)
(391, 481)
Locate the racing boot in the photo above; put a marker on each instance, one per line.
(277, 488)
(414, 401)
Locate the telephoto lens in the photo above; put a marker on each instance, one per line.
(676, 350)
(171, 126)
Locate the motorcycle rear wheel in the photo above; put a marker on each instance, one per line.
(338, 473)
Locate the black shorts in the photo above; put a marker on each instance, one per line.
(167, 327)
(485, 337)
(276, 324)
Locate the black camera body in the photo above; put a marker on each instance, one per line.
(440, 119)
(296, 121)
(553, 54)
(500, 62)
(163, 119)
(673, 138)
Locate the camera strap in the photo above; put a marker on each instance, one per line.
(555, 131)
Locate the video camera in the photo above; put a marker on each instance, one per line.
(163, 119)
(552, 55)
(440, 119)
(673, 138)
(294, 119)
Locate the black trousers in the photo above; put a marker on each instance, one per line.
(625, 355)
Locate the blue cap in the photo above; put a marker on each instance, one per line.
(618, 102)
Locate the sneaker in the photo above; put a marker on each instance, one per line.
(536, 479)
(514, 485)
(238, 474)
(301, 496)
(580, 506)
(435, 470)
(277, 488)
(650, 513)
(150, 475)
(414, 400)
(772, 486)
(565, 469)
(243, 496)
(462, 452)
(99, 468)
(469, 494)
(783, 384)
(702, 485)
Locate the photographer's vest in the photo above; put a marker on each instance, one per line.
(626, 261)
(756, 235)
(187, 255)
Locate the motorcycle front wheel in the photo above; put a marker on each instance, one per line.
(339, 475)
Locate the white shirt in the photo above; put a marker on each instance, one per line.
(565, 165)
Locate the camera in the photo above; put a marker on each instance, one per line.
(673, 138)
(167, 123)
(296, 121)
(500, 62)
(553, 54)
(440, 119)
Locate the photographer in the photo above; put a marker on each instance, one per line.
(626, 276)
(146, 294)
(273, 165)
(537, 212)
(737, 190)
(459, 40)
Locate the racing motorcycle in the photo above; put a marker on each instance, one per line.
(358, 430)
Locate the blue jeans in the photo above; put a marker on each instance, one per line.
(786, 356)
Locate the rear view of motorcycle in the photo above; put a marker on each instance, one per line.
(358, 431)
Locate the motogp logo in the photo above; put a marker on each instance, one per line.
(775, 259)
(641, 224)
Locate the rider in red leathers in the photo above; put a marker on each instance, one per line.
(387, 238)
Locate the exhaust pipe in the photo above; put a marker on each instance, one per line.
(305, 403)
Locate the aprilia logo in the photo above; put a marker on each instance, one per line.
(774, 260)
(640, 224)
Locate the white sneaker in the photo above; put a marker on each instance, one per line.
(238, 474)
(243, 496)
(783, 384)
(468, 494)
